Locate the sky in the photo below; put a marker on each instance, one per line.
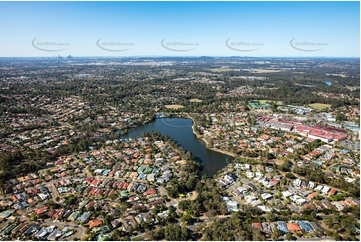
(268, 29)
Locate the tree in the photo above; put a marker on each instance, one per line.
(328, 221)
(184, 204)
(186, 217)
(276, 234)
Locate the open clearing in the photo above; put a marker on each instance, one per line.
(269, 101)
(264, 71)
(320, 106)
(195, 100)
(174, 106)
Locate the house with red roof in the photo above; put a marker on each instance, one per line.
(332, 192)
(150, 192)
(41, 210)
(257, 226)
(95, 182)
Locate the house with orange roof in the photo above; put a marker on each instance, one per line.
(130, 186)
(293, 227)
(264, 137)
(14, 198)
(133, 175)
(175, 158)
(95, 223)
(136, 155)
(312, 196)
(274, 181)
(41, 210)
(332, 192)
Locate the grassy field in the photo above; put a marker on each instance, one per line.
(174, 106)
(269, 101)
(195, 100)
(320, 106)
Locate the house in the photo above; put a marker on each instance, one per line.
(282, 226)
(55, 234)
(95, 223)
(287, 194)
(6, 213)
(274, 181)
(306, 226)
(237, 193)
(332, 192)
(327, 204)
(301, 201)
(293, 227)
(151, 177)
(266, 196)
(231, 205)
(42, 233)
(297, 182)
(115, 223)
(325, 189)
(312, 196)
(266, 228)
(41, 210)
(230, 177)
(32, 229)
(150, 192)
(319, 188)
(257, 226)
(338, 205)
(73, 216)
(315, 226)
(84, 217)
(265, 208)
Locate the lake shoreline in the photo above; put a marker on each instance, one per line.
(205, 141)
(183, 132)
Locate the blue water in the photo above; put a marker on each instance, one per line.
(180, 130)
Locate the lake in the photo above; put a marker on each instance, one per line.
(180, 130)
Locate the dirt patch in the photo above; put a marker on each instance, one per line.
(174, 106)
(195, 100)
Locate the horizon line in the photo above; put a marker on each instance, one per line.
(185, 56)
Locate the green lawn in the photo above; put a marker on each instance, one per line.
(320, 106)
(269, 101)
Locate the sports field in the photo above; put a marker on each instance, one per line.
(174, 106)
(320, 106)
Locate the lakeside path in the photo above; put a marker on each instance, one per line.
(205, 141)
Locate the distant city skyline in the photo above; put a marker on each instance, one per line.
(255, 29)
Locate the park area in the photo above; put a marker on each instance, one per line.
(320, 106)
